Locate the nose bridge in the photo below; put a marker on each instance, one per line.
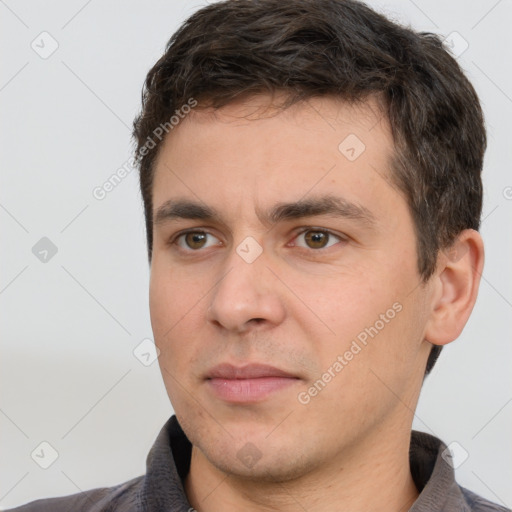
(245, 292)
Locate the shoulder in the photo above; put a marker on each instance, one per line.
(478, 504)
(94, 500)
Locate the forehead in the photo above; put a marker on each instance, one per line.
(255, 153)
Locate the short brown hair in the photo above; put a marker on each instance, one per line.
(311, 48)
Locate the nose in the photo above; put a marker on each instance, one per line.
(247, 296)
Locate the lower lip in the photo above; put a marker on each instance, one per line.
(248, 390)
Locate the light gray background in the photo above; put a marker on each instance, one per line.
(69, 326)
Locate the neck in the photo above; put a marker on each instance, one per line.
(373, 474)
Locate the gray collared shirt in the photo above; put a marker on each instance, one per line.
(168, 462)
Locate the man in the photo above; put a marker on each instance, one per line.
(311, 179)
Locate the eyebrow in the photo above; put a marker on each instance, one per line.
(323, 205)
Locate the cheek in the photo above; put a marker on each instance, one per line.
(174, 303)
(162, 305)
(174, 312)
(352, 314)
(341, 306)
(368, 365)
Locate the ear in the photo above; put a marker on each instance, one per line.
(455, 287)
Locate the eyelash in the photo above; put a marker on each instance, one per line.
(175, 240)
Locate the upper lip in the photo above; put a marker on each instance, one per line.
(249, 371)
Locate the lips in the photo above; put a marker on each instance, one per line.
(247, 384)
(250, 371)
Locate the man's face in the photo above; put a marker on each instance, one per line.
(300, 255)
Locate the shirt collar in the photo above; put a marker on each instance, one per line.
(434, 476)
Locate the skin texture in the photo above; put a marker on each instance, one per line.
(297, 307)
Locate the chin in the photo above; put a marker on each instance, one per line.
(262, 461)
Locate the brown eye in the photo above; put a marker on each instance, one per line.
(316, 239)
(195, 240)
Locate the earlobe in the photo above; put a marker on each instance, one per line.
(455, 287)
